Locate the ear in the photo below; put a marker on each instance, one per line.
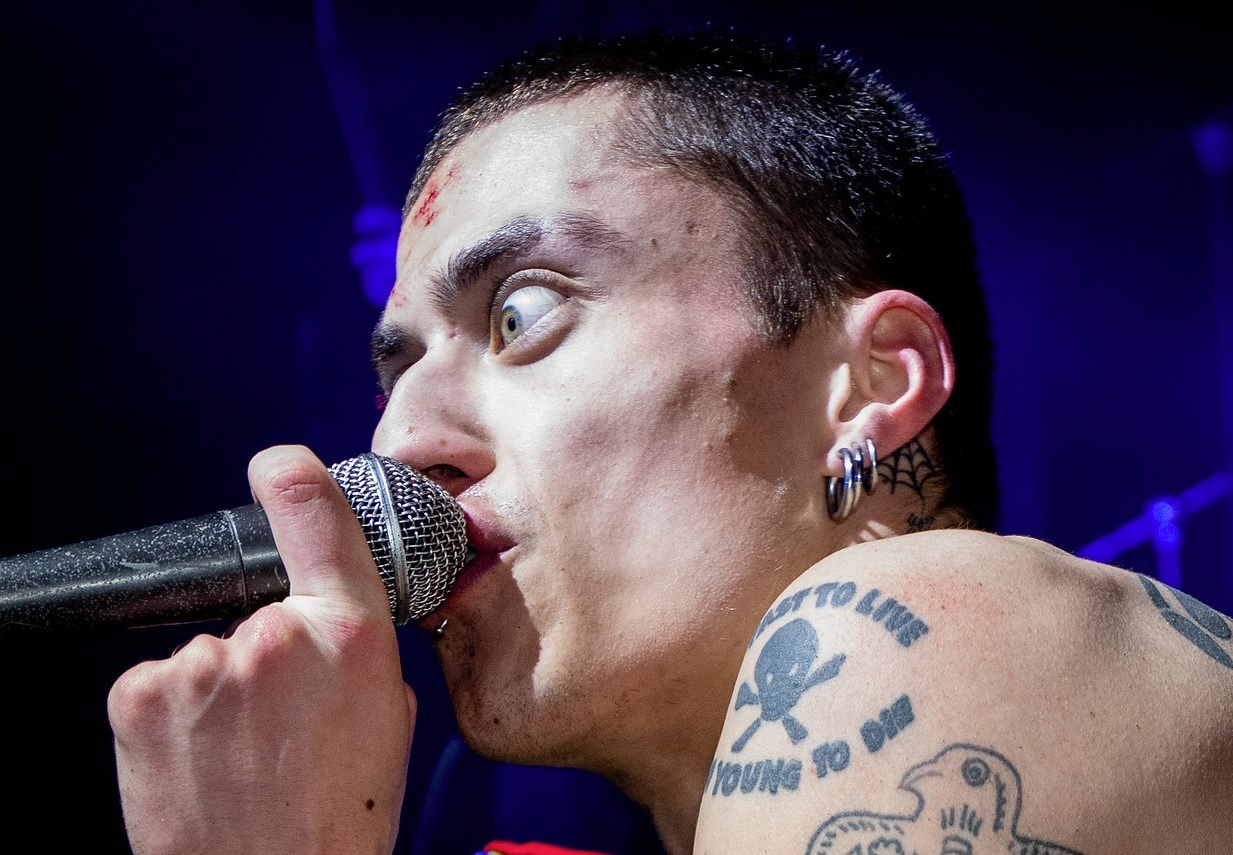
(900, 372)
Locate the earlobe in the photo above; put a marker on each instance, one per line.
(901, 367)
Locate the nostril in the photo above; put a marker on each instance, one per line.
(443, 472)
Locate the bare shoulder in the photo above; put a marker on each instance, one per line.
(961, 692)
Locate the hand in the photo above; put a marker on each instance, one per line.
(291, 734)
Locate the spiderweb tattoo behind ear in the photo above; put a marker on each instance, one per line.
(909, 467)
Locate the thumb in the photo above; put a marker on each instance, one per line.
(319, 539)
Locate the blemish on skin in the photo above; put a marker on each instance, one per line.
(691, 227)
(397, 298)
(370, 804)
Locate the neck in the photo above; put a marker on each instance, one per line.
(661, 757)
(674, 806)
(668, 774)
(907, 498)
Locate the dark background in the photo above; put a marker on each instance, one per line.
(179, 196)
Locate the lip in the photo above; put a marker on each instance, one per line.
(484, 534)
(488, 542)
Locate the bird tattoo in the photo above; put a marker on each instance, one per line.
(968, 801)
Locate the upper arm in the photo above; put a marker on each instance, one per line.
(870, 716)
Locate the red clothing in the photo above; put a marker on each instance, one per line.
(504, 847)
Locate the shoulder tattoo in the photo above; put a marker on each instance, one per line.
(968, 800)
(774, 747)
(1200, 624)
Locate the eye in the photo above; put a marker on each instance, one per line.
(523, 308)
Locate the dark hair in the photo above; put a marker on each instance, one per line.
(837, 182)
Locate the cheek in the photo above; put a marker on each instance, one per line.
(635, 422)
(634, 463)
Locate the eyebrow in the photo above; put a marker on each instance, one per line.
(514, 238)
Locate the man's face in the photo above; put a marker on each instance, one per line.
(568, 351)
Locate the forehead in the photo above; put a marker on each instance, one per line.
(527, 151)
(543, 161)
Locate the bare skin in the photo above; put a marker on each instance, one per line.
(568, 352)
(1002, 653)
(292, 734)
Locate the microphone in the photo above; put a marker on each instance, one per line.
(225, 564)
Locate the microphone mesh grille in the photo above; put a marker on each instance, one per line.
(430, 526)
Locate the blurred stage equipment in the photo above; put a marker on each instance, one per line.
(1161, 524)
(377, 221)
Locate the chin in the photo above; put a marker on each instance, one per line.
(496, 738)
(509, 706)
(513, 730)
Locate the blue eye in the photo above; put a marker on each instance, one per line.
(522, 309)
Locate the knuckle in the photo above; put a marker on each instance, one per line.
(201, 664)
(358, 641)
(271, 633)
(146, 696)
(136, 701)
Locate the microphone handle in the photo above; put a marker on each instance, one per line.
(217, 566)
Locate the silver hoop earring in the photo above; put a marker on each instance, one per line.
(860, 474)
(839, 491)
(869, 474)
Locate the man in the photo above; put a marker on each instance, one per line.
(691, 328)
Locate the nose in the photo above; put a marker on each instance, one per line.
(431, 422)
